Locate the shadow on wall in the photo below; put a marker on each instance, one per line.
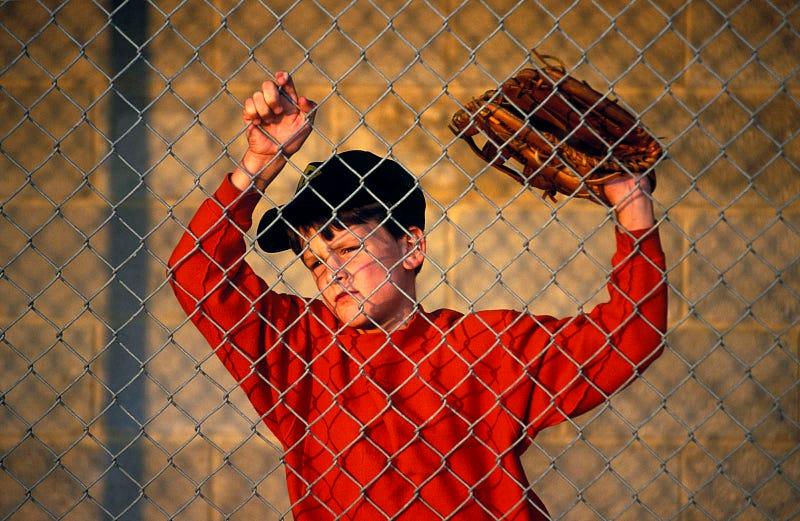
(125, 348)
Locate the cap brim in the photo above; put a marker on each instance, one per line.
(273, 231)
(274, 228)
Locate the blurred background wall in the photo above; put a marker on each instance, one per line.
(119, 118)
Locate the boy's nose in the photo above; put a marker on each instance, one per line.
(337, 268)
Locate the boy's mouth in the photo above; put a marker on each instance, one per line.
(344, 295)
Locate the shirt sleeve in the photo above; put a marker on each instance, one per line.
(588, 357)
(242, 320)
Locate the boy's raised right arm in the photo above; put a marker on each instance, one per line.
(230, 305)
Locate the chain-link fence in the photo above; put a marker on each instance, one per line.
(120, 118)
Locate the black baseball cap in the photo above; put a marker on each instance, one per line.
(345, 181)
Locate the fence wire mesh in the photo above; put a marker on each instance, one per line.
(120, 118)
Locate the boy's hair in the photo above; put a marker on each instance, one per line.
(364, 214)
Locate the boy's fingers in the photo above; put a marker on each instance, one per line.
(262, 108)
(272, 96)
(250, 120)
(287, 83)
(249, 111)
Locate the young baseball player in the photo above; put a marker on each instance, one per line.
(386, 410)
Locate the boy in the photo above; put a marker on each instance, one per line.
(386, 410)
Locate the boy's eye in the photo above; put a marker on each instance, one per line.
(315, 263)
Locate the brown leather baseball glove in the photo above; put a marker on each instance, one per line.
(568, 137)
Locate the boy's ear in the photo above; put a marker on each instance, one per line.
(414, 248)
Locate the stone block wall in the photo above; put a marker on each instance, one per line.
(94, 349)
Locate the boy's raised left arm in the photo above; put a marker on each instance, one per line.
(592, 355)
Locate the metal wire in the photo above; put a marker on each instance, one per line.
(121, 117)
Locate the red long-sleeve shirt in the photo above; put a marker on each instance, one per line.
(430, 421)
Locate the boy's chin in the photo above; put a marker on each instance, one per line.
(355, 318)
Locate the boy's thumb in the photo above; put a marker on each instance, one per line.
(307, 106)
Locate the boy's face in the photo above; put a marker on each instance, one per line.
(364, 275)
